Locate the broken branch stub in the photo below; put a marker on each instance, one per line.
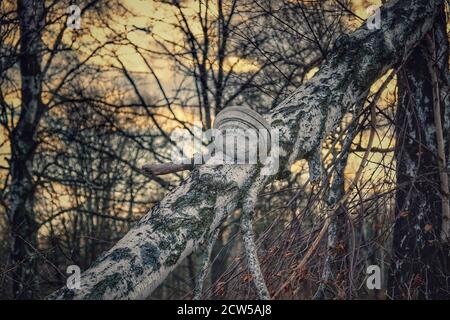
(241, 135)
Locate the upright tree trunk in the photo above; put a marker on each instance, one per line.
(419, 255)
(23, 145)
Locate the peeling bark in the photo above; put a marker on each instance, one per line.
(182, 221)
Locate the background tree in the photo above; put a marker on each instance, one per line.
(420, 261)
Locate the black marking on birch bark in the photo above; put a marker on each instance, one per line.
(120, 253)
(150, 256)
(99, 289)
(315, 166)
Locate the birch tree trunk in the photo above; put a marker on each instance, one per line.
(182, 221)
(420, 257)
(23, 145)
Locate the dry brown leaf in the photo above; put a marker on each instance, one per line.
(404, 214)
